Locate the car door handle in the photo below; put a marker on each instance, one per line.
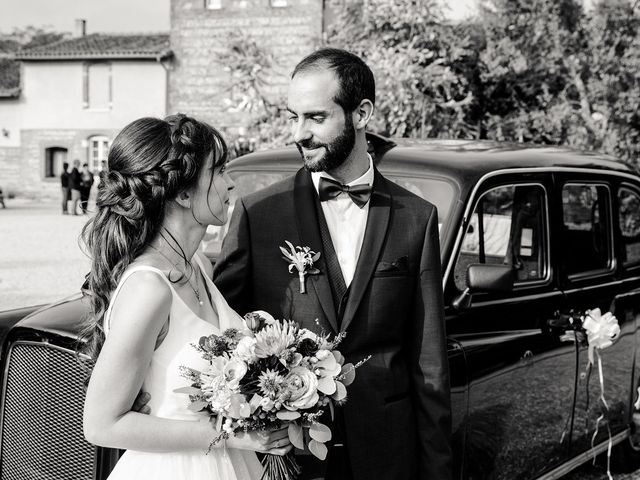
(560, 321)
(567, 325)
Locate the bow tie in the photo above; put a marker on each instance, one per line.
(329, 189)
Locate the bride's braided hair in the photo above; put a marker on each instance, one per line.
(150, 162)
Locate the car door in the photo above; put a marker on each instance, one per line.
(520, 373)
(599, 269)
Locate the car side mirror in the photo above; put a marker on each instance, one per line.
(485, 278)
(490, 278)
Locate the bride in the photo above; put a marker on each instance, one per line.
(151, 297)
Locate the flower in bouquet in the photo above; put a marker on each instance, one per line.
(271, 374)
(301, 385)
(274, 338)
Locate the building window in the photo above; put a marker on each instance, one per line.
(97, 91)
(98, 151)
(279, 3)
(213, 4)
(54, 157)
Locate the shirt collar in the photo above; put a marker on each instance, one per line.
(366, 178)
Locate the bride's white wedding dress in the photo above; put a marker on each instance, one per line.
(163, 377)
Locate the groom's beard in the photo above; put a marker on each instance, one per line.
(336, 152)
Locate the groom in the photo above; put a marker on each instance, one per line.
(379, 279)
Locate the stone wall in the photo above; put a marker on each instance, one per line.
(10, 169)
(22, 169)
(199, 84)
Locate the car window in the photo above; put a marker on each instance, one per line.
(435, 190)
(246, 183)
(629, 220)
(508, 227)
(587, 229)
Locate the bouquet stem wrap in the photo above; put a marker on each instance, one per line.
(276, 467)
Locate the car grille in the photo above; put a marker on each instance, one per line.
(42, 416)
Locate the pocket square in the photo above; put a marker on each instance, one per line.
(399, 265)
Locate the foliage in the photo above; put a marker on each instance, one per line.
(31, 36)
(10, 43)
(9, 74)
(254, 92)
(543, 71)
(425, 68)
(554, 74)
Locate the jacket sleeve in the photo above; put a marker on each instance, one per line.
(232, 271)
(429, 364)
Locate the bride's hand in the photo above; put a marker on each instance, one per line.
(274, 442)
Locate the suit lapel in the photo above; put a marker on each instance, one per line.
(307, 222)
(374, 236)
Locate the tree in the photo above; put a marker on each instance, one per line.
(20, 38)
(254, 92)
(31, 36)
(425, 68)
(554, 74)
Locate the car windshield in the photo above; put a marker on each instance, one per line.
(436, 190)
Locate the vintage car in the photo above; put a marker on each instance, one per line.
(532, 239)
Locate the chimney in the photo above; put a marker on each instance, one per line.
(81, 28)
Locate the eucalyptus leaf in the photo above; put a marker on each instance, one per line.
(188, 390)
(341, 392)
(349, 372)
(296, 435)
(197, 406)
(318, 449)
(319, 432)
(316, 257)
(287, 415)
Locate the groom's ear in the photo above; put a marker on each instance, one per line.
(184, 200)
(363, 112)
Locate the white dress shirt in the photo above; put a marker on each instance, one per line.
(346, 222)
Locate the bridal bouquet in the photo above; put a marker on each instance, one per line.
(271, 374)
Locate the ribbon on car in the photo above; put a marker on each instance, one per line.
(602, 331)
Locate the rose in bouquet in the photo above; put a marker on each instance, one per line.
(271, 374)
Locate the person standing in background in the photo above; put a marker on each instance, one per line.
(64, 187)
(86, 182)
(75, 182)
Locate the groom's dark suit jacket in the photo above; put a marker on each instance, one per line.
(397, 417)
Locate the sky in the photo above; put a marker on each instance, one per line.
(117, 15)
(101, 15)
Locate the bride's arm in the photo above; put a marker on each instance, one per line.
(139, 312)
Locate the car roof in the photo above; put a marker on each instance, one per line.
(451, 158)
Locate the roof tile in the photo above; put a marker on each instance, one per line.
(101, 46)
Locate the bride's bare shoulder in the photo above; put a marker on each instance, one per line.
(144, 290)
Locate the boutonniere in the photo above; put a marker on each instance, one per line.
(301, 259)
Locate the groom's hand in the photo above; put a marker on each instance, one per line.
(140, 404)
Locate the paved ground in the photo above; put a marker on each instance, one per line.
(41, 261)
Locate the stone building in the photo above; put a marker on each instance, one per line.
(74, 96)
(200, 84)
